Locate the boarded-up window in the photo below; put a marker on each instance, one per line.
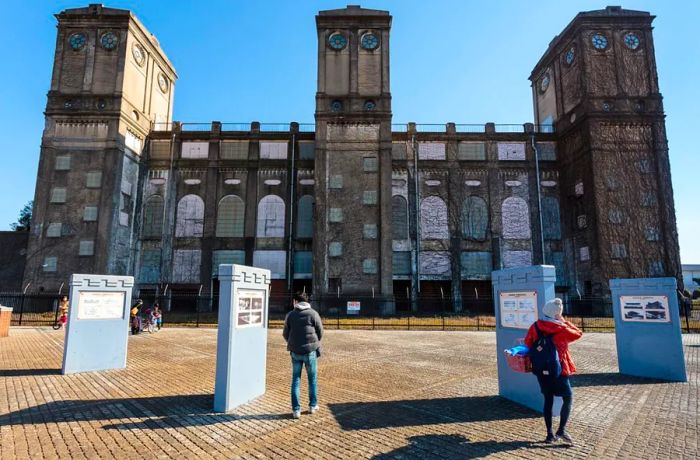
(275, 261)
(54, 230)
(195, 150)
(652, 233)
(307, 150)
(233, 150)
(369, 197)
(63, 163)
(302, 264)
(475, 218)
(516, 218)
(656, 268)
(305, 217)
(230, 217)
(335, 249)
(370, 164)
(476, 265)
(369, 266)
(433, 218)
(86, 248)
(584, 254)
(273, 150)
(335, 181)
(369, 231)
(50, 264)
(615, 216)
(550, 218)
(471, 151)
(90, 213)
(335, 215)
(270, 217)
(399, 217)
(226, 257)
(398, 150)
(401, 263)
(557, 259)
(546, 151)
(159, 150)
(93, 179)
(58, 195)
(150, 266)
(190, 217)
(431, 151)
(618, 251)
(513, 259)
(153, 217)
(186, 263)
(511, 151)
(434, 263)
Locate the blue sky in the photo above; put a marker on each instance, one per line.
(461, 61)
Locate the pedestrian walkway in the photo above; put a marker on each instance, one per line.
(383, 394)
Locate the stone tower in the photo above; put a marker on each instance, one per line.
(111, 85)
(597, 85)
(352, 238)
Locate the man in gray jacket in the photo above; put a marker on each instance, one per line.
(303, 331)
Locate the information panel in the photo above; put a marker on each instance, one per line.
(518, 309)
(353, 307)
(648, 309)
(250, 311)
(100, 305)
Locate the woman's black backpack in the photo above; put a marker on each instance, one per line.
(544, 356)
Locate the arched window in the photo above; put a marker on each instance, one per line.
(305, 217)
(516, 218)
(153, 217)
(270, 217)
(433, 219)
(230, 217)
(550, 218)
(399, 217)
(190, 217)
(475, 218)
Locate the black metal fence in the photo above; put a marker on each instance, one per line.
(369, 313)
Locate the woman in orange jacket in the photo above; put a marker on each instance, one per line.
(563, 332)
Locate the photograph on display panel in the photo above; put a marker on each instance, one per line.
(251, 308)
(648, 309)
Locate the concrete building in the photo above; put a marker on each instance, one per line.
(353, 205)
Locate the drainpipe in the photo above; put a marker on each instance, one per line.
(539, 195)
(417, 204)
(292, 202)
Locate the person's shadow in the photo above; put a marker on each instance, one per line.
(454, 446)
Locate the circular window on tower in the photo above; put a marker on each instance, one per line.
(599, 41)
(570, 55)
(109, 41)
(370, 105)
(369, 41)
(608, 106)
(336, 105)
(162, 82)
(77, 41)
(138, 53)
(337, 41)
(632, 41)
(544, 82)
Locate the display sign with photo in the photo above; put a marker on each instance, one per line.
(353, 308)
(518, 309)
(251, 308)
(100, 305)
(648, 309)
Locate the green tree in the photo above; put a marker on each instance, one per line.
(25, 218)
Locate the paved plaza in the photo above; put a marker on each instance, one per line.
(384, 394)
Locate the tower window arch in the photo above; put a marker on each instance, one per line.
(190, 217)
(516, 218)
(230, 217)
(433, 218)
(305, 217)
(475, 218)
(399, 217)
(270, 217)
(153, 217)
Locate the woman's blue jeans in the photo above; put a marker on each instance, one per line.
(297, 362)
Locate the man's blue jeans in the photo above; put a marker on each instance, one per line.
(297, 362)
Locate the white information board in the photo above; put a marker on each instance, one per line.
(100, 305)
(353, 308)
(251, 309)
(518, 309)
(648, 309)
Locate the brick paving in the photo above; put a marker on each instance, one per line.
(384, 394)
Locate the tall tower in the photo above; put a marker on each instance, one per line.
(352, 238)
(111, 82)
(597, 84)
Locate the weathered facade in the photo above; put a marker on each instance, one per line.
(354, 205)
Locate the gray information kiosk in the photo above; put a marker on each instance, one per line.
(519, 295)
(241, 348)
(98, 319)
(648, 328)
